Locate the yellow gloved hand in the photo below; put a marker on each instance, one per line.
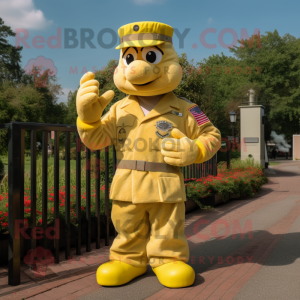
(89, 105)
(180, 150)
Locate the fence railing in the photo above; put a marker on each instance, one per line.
(16, 149)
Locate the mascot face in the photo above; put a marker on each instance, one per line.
(148, 71)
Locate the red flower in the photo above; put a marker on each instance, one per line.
(27, 203)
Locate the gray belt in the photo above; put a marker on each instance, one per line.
(141, 165)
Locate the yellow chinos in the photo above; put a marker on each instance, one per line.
(149, 232)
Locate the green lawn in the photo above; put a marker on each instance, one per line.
(50, 163)
(272, 163)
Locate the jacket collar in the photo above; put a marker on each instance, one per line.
(165, 105)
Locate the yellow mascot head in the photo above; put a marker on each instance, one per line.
(148, 62)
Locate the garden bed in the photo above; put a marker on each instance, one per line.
(244, 178)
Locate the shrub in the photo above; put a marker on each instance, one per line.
(245, 178)
(96, 164)
(222, 154)
(62, 154)
(1, 168)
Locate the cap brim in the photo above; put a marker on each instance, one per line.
(144, 43)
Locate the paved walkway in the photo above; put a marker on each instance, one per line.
(243, 249)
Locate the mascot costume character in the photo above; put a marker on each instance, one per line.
(154, 133)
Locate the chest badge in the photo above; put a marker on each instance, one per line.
(122, 135)
(163, 129)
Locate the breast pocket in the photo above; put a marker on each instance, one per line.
(161, 129)
(125, 128)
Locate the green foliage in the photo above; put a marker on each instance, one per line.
(278, 82)
(244, 178)
(10, 56)
(71, 109)
(222, 154)
(20, 99)
(1, 168)
(62, 154)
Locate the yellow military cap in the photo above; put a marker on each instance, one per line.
(144, 34)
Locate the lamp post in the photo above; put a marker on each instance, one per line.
(232, 116)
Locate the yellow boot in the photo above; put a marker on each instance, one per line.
(175, 274)
(116, 272)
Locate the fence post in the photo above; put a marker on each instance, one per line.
(78, 193)
(215, 164)
(68, 192)
(107, 195)
(97, 199)
(88, 201)
(228, 154)
(14, 200)
(114, 171)
(56, 195)
(33, 187)
(45, 184)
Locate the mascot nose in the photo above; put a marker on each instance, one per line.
(141, 72)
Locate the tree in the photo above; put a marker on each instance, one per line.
(71, 108)
(10, 56)
(279, 78)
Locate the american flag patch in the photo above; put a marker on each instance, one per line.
(200, 117)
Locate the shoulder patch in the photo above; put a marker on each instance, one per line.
(187, 100)
(200, 117)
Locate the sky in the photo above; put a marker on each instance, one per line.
(40, 23)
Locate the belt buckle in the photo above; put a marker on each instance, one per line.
(140, 165)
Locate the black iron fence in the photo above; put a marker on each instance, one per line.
(16, 149)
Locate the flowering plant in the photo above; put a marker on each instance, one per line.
(50, 207)
(242, 179)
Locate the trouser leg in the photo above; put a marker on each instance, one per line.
(167, 242)
(131, 221)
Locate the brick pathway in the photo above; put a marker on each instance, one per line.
(226, 262)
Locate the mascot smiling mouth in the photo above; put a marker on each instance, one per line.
(144, 83)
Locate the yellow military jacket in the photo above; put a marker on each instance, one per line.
(134, 136)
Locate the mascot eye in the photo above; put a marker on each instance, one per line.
(152, 55)
(129, 57)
